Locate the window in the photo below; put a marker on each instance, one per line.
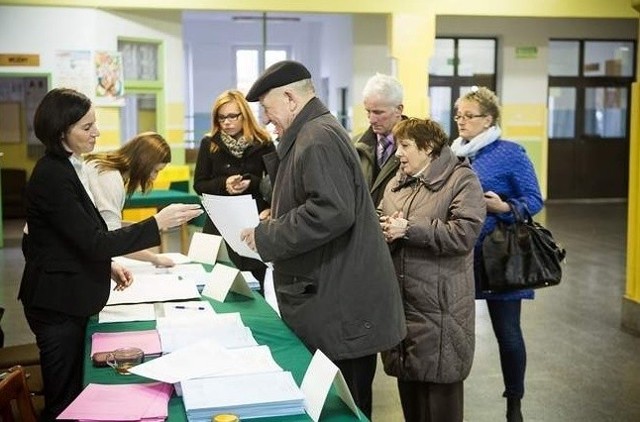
(143, 88)
(589, 88)
(588, 119)
(249, 67)
(457, 65)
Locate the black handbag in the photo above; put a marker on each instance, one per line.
(521, 255)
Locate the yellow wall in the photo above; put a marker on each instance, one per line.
(539, 8)
(108, 119)
(527, 124)
(632, 291)
(412, 41)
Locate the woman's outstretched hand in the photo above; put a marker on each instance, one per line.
(176, 214)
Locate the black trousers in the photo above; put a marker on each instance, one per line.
(60, 338)
(359, 373)
(431, 402)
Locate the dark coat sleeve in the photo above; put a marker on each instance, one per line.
(205, 177)
(68, 249)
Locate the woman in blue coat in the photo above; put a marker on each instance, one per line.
(506, 174)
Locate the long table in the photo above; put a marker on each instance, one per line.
(159, 198)
(267, 328)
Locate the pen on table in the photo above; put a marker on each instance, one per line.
(199, 308)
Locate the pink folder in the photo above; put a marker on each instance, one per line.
(148, 341)
(120, 402)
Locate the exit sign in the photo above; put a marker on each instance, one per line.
(530, 52)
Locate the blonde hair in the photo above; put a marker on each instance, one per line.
(486, 99)
(251, 130)
(135, 160)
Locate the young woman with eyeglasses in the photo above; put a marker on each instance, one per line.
(506, 174)
(230, 162)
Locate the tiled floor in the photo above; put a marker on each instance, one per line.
(581, 366)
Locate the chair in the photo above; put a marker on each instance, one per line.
(28, 357)
(13, 388)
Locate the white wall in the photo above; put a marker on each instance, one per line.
(371, 55)
(44, 30)
(321, 42)
(336, 60)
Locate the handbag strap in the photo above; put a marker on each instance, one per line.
(520, 217)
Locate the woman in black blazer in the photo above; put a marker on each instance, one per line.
(67, 246)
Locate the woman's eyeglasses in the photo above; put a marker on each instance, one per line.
(465, 117)
(232, 117)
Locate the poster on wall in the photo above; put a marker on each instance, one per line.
(73, 70)
(109, 82)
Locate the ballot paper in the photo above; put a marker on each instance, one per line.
(229, 336)
(248, 396)
(176, 257)
(192, 272)
(204, 358)
(194, 319)
(120, 402)
(232, 214)
(180, 330)
(127, 313)
(154, 288)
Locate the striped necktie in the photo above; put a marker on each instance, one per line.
(384, 147)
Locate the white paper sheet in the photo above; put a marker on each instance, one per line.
(187, 309)
(204, 248)
(154, 288)
(320, 376)
(204, 358)
(232, 214)
(127, 313)
(224, 278)
(176, 257)
(269, 290)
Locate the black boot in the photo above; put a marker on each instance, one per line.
(514, 414)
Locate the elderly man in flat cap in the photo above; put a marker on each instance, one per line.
(333, 275)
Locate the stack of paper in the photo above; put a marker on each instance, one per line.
(183, 327)
(207, 359)
(248, 396)
(124, 402)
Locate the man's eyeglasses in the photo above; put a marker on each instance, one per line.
(232, 117)
(465, 117)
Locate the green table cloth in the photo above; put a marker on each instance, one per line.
(160, 198)
(267, 328)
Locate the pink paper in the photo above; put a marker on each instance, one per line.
(120, 402)
(148, 341)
